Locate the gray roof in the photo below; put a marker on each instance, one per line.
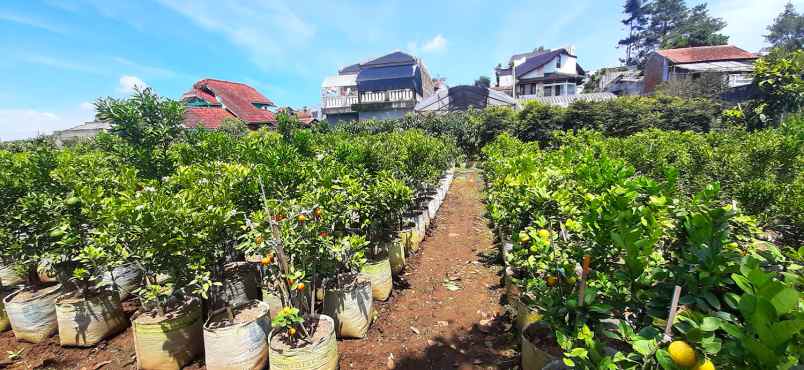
(92, 125)
(566, 100)
(459, 98)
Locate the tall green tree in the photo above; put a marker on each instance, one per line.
(698, 28)
(665, 17)
(636, 20)
(787, 30)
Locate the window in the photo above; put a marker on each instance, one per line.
(533, 89)
(521, 89)
(558, 62)
(558, 90)
(571, 89)
(548, 91)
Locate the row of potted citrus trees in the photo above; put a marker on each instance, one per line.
(610, 269)
(251, 249)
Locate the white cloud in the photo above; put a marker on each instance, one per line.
(129, 83)
(747, 19)
(148, 70)
(437, 43)
(28, 123)
(265, 29)
(32, 22)
(87, 106)
(61, 64)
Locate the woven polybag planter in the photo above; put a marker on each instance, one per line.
(533, 358)
(379, 274)
(125, 279)
(524, 314)
(33, 317)
(9, 277)
(4, 323)
(350, 307)
(83, 322)
(240, 285)
(238, 345)
(321, 354)
(396, 252)
(169, 342)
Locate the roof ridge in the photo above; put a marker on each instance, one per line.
(227, 81)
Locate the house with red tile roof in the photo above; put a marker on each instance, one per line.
(733, 63)
(211, 101)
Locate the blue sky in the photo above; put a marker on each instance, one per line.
(59, 56)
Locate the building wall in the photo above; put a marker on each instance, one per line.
(506, 81)
(568, 65)
(655, 72)
(383, 114)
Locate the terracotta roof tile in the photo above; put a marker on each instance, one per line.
(239, 99)
(208, 117)
(201, 94)
(706, 54)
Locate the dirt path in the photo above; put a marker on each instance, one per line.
(427, 325)
(424, 325)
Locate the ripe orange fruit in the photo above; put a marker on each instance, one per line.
(682, 354)
(300, 287)
(552, 280)
(265, 261)
(317, 212)
(292, 331)
(301, 218)
(259, 239)
(290, 281)
(706, 365)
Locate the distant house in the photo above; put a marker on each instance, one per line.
(83, 131)
(461, 98)
(540, 73)
(620, 81)
(384, 87)
(304, 115)
(209, 102)
(733, 63)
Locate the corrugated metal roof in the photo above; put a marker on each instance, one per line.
(340, 81)
(566, 100)
(724, 66)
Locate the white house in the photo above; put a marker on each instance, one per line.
(540, 73)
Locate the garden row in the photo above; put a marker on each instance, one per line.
(236, 246)
(629, 254)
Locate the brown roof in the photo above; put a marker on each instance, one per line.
(207, 117)
(706, 54)
(238, 98)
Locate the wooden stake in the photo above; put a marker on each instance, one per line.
(671, 316)
(584, 271)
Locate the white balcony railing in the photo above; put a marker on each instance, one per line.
(338, 101)
(387, 96)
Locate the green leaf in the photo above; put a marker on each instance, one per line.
(663, 358)
(732, 300)
(743, 283)
(712, 300)
(731, 329)
(710, 323)
(644, 347)
(785, 301)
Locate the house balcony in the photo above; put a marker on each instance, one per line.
(369, 100)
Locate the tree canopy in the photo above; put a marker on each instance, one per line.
(787, 30)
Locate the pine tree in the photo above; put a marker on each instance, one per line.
(665, 16)
(787, 30)
(697, 29)
(636, 20)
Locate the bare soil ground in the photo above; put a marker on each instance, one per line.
(445, 312)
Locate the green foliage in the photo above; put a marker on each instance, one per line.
(780, 80)
(641, 210)
(787, 30)
(147, 126)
